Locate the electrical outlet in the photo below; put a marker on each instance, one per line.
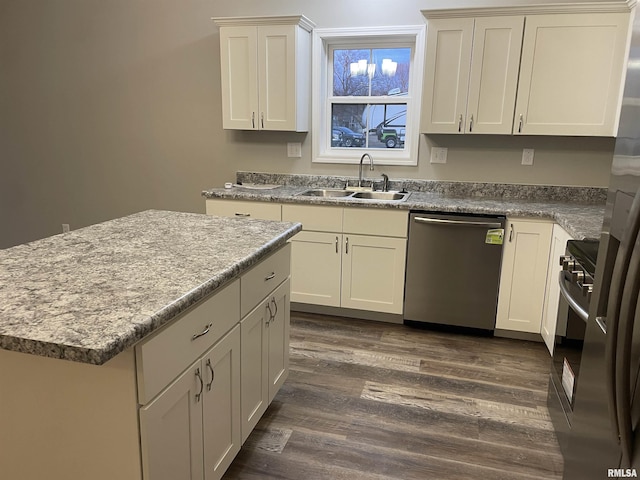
(527, 156)
(438, 155)
(294, 150)
(65, 227)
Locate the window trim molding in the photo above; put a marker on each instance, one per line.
(322, 38)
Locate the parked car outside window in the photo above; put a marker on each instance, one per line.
(350, 138)
(336, 138)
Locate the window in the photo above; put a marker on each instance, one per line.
(366, 94)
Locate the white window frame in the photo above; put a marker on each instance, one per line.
(327, 38)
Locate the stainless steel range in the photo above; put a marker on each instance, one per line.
(576, 286)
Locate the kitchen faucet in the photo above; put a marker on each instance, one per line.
(360, 169)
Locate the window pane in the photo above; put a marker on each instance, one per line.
(386, 124)
(376, 72)
(346, 79)
(348, 125)
(392, 71)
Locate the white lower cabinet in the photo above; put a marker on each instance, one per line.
(316, 259)
(559, 241)
(192, 429)
(373, 273)
(243, 208)
(523, 276)
(265, 355)
(359, 263)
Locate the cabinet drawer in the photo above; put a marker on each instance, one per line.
(263, 278)
(241, 208)
(163, 356)
(375, 221)
(314, 217)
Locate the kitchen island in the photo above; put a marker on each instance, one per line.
(88, 321)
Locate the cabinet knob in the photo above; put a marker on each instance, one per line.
(471, 124)
(460, 124)
(520, 124)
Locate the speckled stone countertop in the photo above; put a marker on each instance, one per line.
(91, 293)
(580, 211)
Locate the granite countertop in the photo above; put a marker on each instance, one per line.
(91, 293)
(581, 218)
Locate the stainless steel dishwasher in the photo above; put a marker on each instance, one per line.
(453, 269)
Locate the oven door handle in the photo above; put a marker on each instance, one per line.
(582, 313)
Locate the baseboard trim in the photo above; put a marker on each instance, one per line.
(347, 312)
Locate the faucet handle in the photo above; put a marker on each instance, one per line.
(385, 182)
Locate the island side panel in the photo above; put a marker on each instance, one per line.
(62, 419)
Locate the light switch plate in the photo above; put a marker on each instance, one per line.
(294, 150)
(527, 156)
(438, 155)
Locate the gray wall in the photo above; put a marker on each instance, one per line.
(111, 107)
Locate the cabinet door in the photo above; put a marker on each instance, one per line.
(571, 74)
(243, 208)
(278, 327)
(495, 62)
(221, 405)
(239, 77)
(373, 273)
(316, 268)
(171, 430)
(448, 61)
(254, 384)
(277, 77)
(523, 276)
(552, 296)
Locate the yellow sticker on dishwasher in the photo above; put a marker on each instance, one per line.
(495, 236)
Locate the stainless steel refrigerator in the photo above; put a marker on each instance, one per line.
(605, 433)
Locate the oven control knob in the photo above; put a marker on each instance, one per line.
(577, 276)
(587, 290)
(568, 264)
(564, 258)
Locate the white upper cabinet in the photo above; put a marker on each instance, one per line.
(446, 78)
(471, 74)
(572, 74)
(537, 70)
(265, 72)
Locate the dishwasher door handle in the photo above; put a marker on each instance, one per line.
(462, 223)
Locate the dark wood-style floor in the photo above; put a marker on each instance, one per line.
(370, 400)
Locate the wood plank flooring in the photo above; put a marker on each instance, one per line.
(370, 400)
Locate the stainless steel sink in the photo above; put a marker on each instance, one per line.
(326, 192)
(355, 195)
(389, 196)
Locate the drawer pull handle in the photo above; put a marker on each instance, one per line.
(213, 374)
(204, 332)
(199, 377)
(240, 214)
(270, 276)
